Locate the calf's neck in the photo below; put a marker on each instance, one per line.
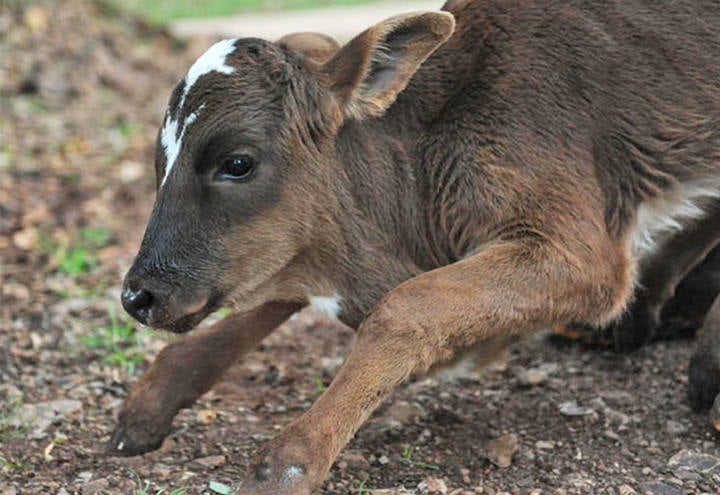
(445, 181)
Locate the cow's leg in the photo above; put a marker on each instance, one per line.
(507, 289)
(186, 369)
(693, 298)
(660, 276)
(705, 364)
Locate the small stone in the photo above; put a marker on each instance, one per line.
(626, 490)
(611, 435)
(525, 482)
(96, 486)
(544, 445)
(571, 408)
(686, 460)
(675, 427)
(532, 377)
(687, 475)
(168, 445)
(330, 365)
(42, 414)
(27, 238)
(355, 460)
(383, 460)
(403, 412)
(206, 416)
(500, 450)
(130, 171)
(659, 488)
(84, 477)
(433, 486)
(16, 291)
(210, 462)
(36, 18)
(161, 471)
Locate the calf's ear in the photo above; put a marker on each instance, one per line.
(367, 73)
(314, 46)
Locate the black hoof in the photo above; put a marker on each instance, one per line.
(635, 330)
(704, 380)
(123, 444)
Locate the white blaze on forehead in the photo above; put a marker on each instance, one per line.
(213, 60)
(172, 142)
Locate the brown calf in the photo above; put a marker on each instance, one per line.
(445, 181)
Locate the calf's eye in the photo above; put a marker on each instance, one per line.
(236, 168)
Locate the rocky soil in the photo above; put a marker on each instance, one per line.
(82, 92)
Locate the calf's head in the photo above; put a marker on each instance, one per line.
(248, 177)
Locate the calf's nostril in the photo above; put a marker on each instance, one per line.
(137, 303)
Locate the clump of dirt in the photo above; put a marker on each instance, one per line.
(82, 93)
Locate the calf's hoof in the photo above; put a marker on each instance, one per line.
(263, 479)
(634, 330)
(285, 469)
(704, 381)
(127, 440)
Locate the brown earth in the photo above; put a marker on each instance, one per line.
(82, 92)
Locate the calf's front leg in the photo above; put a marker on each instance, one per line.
(186, 369)
(506, 289)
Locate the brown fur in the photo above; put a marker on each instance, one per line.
(452, 190)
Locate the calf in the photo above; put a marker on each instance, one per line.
(445, 181)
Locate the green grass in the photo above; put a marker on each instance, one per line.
(9, 428)
(6, 156)
(320, 386)
(11, 464)
(118, 341)
(166, 10)
(76, 256)
(407, 455)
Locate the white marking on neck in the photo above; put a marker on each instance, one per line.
(213, 60)
(328, 305)
(670, 213)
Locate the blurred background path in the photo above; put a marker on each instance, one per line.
(341, 22)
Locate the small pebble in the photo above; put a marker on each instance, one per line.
(532, 377)
(433, 486)
(571, 408)
(500, 450)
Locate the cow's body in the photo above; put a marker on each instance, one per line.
(532, 171)
(620, 111)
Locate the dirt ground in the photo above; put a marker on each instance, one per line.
(82, 92)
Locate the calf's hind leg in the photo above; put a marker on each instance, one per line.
(704, 385)
(186, 369)
(660, 276)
